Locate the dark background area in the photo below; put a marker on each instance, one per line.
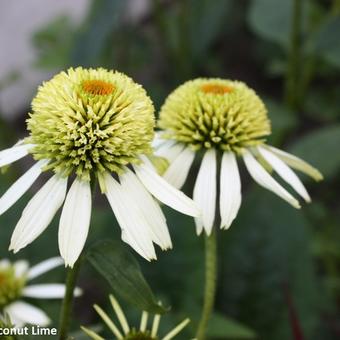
(279, 268)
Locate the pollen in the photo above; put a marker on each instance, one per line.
(98, 87)
(216, 89)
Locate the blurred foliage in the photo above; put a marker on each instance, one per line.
(279, 268)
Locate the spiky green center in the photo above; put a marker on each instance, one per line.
(91, 120)
(10, 286)
(207, 113)
(139, 335)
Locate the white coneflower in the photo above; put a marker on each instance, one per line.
(227, 118)
(92, 123)
(131, 333)
(14, 286)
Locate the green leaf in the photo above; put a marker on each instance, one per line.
(104, 17)
(283, 120)
(327, 45)
(117, 265)
(321, 149)
(271, 19)
(221, 327)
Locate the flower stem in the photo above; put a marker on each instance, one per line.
(210, 284)
(294, 59)
(66, 308)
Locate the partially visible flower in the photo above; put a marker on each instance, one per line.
(132, 333)
(93, 124)
(227, 118)
(14, 286)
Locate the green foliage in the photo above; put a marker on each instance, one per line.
(321, 148)
(116, 264)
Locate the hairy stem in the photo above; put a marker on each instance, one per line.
(210, 284)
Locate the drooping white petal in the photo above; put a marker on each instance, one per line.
(178, 170)
(21, 186)
(176, 330)
(285, 172)
(39, 212)
(47, 291)
(75, 221)
(263, 178)
(27, 314)
(93, 335)
(148, 207)
(169, 150)
(297, 163)
(43, 267)
(230, 191)
(14, 153)
(21, 268)
(166, 193)
(131, 221)
(205, 192)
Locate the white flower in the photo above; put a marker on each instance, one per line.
(130, 333)
(14, 286)
(95, 124)
(223, 117)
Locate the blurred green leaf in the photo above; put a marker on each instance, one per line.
(221, 327)
(53, 43)
(283, 120)
(266, 256)
(117, 265)
(327, 41)
(321, 149)
(271, 19)
(93, 39)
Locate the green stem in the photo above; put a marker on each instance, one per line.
(67, 304)
(294, 58)
(210, 284)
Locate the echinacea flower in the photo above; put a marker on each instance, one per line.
(14, 286)
(94, 124)
(226, 120)
(132, 333)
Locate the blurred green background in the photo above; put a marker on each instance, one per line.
(279, 268)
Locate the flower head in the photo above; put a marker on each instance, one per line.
(14, 285)
(94, 124)
(86, 121)
(132, 333)
(223, 117)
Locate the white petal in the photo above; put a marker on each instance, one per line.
(297, 163)
(166, 193)
(148, 207)
(47, 291)
(44, 267)
(39, 212)
(14, 153)
(169, 150)
(5, 263)
(176, 330)
(230, 191)
(75, 221)
(130, 219)
(205, 192)
(27, 314)
(285, 173)
(177, 172)
(21, 186)
(21, 268)
(262, 177)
